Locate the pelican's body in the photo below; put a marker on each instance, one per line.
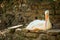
(40, 24)
(36, 24)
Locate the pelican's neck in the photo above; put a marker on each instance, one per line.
(47, 22)
(47, 19)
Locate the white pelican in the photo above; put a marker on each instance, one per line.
(40, 24)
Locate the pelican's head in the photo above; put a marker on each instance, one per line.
(47, 12)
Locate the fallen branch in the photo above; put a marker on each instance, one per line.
(13, 27)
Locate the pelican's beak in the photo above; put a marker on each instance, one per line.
(46, 16)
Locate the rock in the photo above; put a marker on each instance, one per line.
(42, 37)
(53, 32)
(31, 35)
